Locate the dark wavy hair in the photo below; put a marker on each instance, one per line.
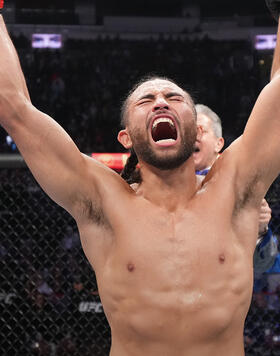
(130, 173)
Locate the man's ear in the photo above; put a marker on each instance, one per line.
(219, 144)
(199, 133)
(124, 139)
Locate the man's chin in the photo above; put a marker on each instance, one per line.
(163, 158)
(167, 162)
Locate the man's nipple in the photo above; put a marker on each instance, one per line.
(130, 267)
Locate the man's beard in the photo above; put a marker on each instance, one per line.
(169, 161)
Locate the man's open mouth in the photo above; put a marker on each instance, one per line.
(164, 129)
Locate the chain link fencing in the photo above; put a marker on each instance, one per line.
(49, 303)
(262, 327)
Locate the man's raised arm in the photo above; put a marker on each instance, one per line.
(275, 70)
(257, 152)
(55, 161)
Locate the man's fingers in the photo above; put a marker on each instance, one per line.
(264, 203)
(264, 216)
(265, 207)
(265, 212)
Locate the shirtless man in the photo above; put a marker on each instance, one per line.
(173, 264)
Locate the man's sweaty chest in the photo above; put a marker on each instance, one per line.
(174, 251)
(182, 242)
(180, 265)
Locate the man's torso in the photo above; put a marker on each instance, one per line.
(175, 283)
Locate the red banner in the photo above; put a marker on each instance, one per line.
(113, 160)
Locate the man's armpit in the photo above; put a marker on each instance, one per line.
(92, 211)
(249, 194)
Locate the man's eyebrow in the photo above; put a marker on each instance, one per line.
(168, 95)
(147, 96)
(173, 93)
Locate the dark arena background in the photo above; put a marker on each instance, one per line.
(80, 58)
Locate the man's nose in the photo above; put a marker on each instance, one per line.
(160, 104)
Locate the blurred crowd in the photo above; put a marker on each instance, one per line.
(83, 84)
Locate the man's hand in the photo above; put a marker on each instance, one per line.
(274, 7)
(264, 217)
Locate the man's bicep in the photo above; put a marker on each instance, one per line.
(51, 155)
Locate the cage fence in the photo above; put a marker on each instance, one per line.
(49, 303)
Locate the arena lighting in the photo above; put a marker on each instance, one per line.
(112, 160)
(264, 42)
(46, 40)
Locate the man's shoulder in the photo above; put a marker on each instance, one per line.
(230, 163)
(229, 180)
(102, 190)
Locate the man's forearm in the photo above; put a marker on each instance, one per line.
(274, 8)
(11, 76)
(275, 70)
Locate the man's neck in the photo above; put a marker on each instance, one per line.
(203, 170)
(170, 189)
